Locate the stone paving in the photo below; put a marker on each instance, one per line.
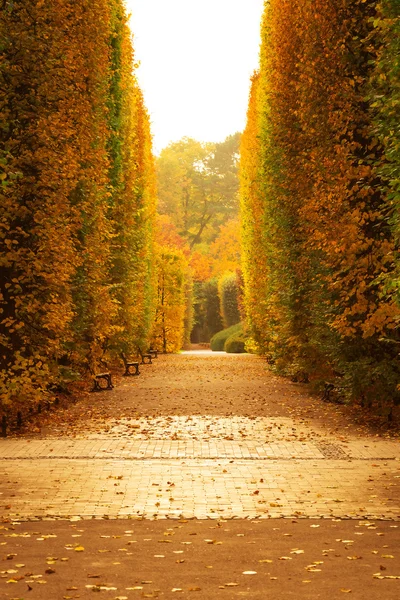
(200, 467)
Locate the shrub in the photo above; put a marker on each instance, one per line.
(236, 343)
(219, 339)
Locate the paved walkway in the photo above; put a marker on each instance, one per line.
(200, 466)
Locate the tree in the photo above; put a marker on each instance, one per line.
(225, 251)
(228, 294)
(133, 193)
(198, 186)
(174, 306)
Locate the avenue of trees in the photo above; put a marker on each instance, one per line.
(320, 195)
(288, 233)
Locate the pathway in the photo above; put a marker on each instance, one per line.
(174, 484)
(201, 436)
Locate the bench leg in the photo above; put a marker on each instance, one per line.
(128, 371)
(97, 387)
(4, 426)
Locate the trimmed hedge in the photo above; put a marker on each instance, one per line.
(235, 344)
(228, 293)
(218, 340)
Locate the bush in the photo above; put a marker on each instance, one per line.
(236, 343)
(219, 339)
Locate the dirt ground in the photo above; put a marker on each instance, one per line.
(247, 388)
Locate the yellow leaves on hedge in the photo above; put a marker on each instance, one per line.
(318, 253)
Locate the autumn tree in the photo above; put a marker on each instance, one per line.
(174, 307)
(225, 250)
(198, 186)
(54, 163)
(132, 196)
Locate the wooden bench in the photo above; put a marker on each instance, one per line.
(130, 365)
(333, 393)
(146, 358)
(98, 380)
(153, 353)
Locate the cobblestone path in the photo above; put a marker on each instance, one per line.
(199, 466)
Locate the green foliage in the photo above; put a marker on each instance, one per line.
(384, 98)
(198, 186)
(208, 319)
(236, 343)
(228, 293)
(189, 318)
(218, 340)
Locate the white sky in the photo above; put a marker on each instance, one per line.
(196, 58)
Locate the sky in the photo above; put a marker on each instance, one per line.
(196, 59)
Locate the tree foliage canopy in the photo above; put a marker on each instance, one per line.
(198, 186)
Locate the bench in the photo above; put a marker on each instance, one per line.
(130, 365)
(333, 393)
(146, 358)
(98, 382)
(153, 353)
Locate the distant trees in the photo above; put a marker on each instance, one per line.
(77, 193)
(319, 194)
(198, 186)
(174, 300)
(198, 190)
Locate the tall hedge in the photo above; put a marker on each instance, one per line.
(77, 192)
(318, 161)
(228, 295)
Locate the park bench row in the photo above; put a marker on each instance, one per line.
(101, 381)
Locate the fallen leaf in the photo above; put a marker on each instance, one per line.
(137, 587)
